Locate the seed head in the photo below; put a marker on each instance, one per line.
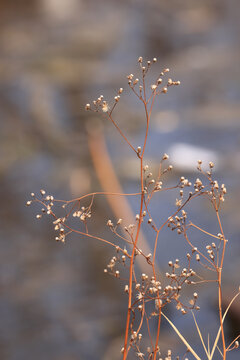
(105, 107)
(165, 156)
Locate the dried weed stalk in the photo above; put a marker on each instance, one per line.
(149, 293)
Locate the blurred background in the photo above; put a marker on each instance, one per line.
(55, 56)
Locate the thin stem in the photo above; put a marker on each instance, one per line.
(121, 133)
(220, 286)
(131, 267)
(96, 193)
(204, 231)
(228, 348)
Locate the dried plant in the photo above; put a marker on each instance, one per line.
(149, 293)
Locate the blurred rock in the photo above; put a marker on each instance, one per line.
(185, 157)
